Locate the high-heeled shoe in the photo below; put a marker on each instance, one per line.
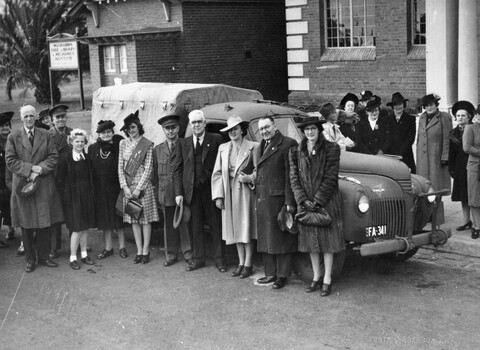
(326, 289)
(465, 226)
(313, 286)
(138, 258)
(146, 258)
(247, 272)
(475, 233)
(237, 271)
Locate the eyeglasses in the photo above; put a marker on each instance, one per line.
(265, 128)
(196, 122)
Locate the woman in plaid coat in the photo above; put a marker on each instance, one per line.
(138, 185)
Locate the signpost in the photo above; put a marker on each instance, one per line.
(64, 55)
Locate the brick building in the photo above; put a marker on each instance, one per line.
(235, 42)
(411, 46)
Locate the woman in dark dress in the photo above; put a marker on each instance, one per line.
(103, 156)
(463, 112)
(74, 180)
(314, 166)
(348, 118)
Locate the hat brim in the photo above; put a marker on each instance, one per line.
(318, 123)
(281, 218)
(27, 188)
(182, 215)
(241, 123)
(392, 103)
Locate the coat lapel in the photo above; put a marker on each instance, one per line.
(434, 120)
(272, 148)
(243, 153)
(37, 141)
(189, 144)
(205, 146)
(25, 142)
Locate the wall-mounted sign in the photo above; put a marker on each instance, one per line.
(63, 55)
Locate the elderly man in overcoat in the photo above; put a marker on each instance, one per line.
(164, 156)
(31, 154)
(273, 192)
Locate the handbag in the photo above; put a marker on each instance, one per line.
(134, 209)
(319, 217)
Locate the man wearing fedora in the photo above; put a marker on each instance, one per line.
(193, 170)
(164, 156)
(273, 192)
(402, 130)
(31, 156)
(59, 132)
(433, 143)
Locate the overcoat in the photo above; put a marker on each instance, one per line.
(184, 166)
(273, 191)
(371, 141)
(315, 178)
(457, 166)
(163, 160)
(471, 146)
(44, 207)
(403, 134)
(60, 140)
(239, 224)
(433, 145)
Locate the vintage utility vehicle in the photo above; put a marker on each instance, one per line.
(385, 208)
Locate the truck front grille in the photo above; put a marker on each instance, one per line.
(391, 212)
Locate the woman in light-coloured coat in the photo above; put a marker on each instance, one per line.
(234, 165)
(433, 143)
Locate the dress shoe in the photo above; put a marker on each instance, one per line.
(279, 283)
(75, 265)
(221, 268)
(138, 259)
(21, 250)
(10, 235)
(145, 258)
(53, 255)
(87, 261)
(29, 267)
(326, 289)
(3, 244)
(247, 272)
(475, 233)
(170, 262)
(123, 253)
(313, 286)
(267, 279)
(105, 253)
(237, 271)
(48, 263)
(195, 266)
(465, 226)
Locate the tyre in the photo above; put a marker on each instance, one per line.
(302, 265)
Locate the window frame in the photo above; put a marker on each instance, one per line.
(413, 23)
(123, 58)
(109, 62)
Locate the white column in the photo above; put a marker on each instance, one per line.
(441, 50)
(467, 51)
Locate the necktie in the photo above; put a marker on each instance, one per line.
(266, 146)
(197, 145)
(30, 137)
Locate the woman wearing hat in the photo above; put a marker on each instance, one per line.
(403, 130)
(433, 143)
(103, 156)
(135, 168)
(348, 118)
(75, 183)
(44, 119)
(5, 192)
(331, 130)
(232, 194)
(373, 133)
(471, 146)
(314, 166)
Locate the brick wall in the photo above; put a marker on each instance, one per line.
(157, 60)
(391, 71)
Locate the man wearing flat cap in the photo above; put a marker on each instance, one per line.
(32, 156)
(433, 143)
(59, 132)
(164, 156)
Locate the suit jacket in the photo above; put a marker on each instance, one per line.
(403, 136)
(163, 161)
(60, 141)
(371, 141)
(184, 165)
(43, 208)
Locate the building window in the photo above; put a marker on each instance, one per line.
(350, 23)
(123, 58)
(109, 59)
(418, 22)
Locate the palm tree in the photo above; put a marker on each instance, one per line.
(24, 27)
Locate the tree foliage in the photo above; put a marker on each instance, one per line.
(24, 27)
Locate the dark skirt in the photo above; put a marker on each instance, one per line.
(328, 239)
(5, 195)
(80, 212)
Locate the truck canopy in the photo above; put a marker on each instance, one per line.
(155, 100)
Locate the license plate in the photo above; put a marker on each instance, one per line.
(376, 231)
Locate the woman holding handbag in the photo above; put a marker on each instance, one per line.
(314, 168)
(135, 167)
(75, 183)
(232, 193)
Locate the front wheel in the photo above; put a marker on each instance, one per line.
(302, 265)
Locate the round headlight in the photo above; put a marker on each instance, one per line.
(431, 199)
(363, 204)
